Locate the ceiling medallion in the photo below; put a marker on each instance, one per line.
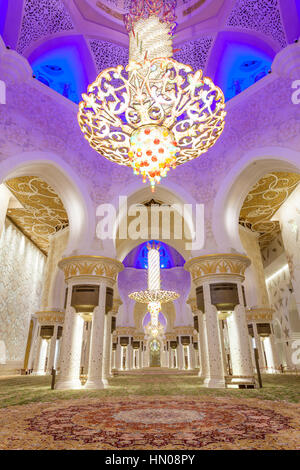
(156, 113)
(154, 296)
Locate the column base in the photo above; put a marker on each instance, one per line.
(95, 384)
(241, 382)
(38, 373)
(273, 371)
(214, 383)
(73, 384)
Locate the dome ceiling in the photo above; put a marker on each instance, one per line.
(91, 36)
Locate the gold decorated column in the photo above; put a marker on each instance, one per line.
(218, 280)
(90, 281)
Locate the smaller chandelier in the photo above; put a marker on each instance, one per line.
(156, 113)
(154, 296)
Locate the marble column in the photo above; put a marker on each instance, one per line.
(239, 344)
(37, 350)
(57, 356)
(122, 355)
(52, 350)
(87, 346)
(191, 352)
(261, 357)
(146, 356)
(274, 353)
(171, 364)
(95, 373)
(129, 356)
(222, 341)
(203, 354)
(175, 357)
(207, 270)
(118, 355)
(107, 347)
(69, 377)
(36, 367)
(83, 270)
(140, 357)
(114, 359)
(42, 357)
(271, 355)
(215, 369)
(167, 355)
(180, 357)
(34, 344)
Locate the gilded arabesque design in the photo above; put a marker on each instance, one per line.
(41, 214)
(264, 199)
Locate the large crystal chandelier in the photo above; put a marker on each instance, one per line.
(156, 113)
(154, 296)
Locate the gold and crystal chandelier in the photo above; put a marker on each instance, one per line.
(156, 113)
(154, 296)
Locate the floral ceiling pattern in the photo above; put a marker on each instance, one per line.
(42, 213)
(42, 18)
(262, 16)
(264, 199)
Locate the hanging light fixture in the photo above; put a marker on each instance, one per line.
(154, 296)
(156, 113)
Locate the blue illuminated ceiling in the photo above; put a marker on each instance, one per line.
(241, 66)
(3, 12)
(138, 257)
(298, 7)
(60, 66)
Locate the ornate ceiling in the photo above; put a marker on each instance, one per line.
(40, 20)
(264, 199)
(54, 34)
(42, 213)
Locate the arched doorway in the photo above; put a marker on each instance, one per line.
(154, 347)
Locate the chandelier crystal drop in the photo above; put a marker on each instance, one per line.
(156, 113)
(154, 296)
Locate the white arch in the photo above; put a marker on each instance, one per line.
(237, 184)
(135, 194)
(74, 195)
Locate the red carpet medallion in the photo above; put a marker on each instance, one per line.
(151, 423)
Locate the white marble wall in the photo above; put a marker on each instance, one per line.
(21, 281)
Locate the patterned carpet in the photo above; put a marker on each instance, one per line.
(151, 423)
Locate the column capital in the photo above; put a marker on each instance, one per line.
(90, 266)
(50, 317)
(255, 314)
(139, 337)
(184, 330)
(193, 304)
(217, 267)
(171, 337)
(125, 331)
(117, 302)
